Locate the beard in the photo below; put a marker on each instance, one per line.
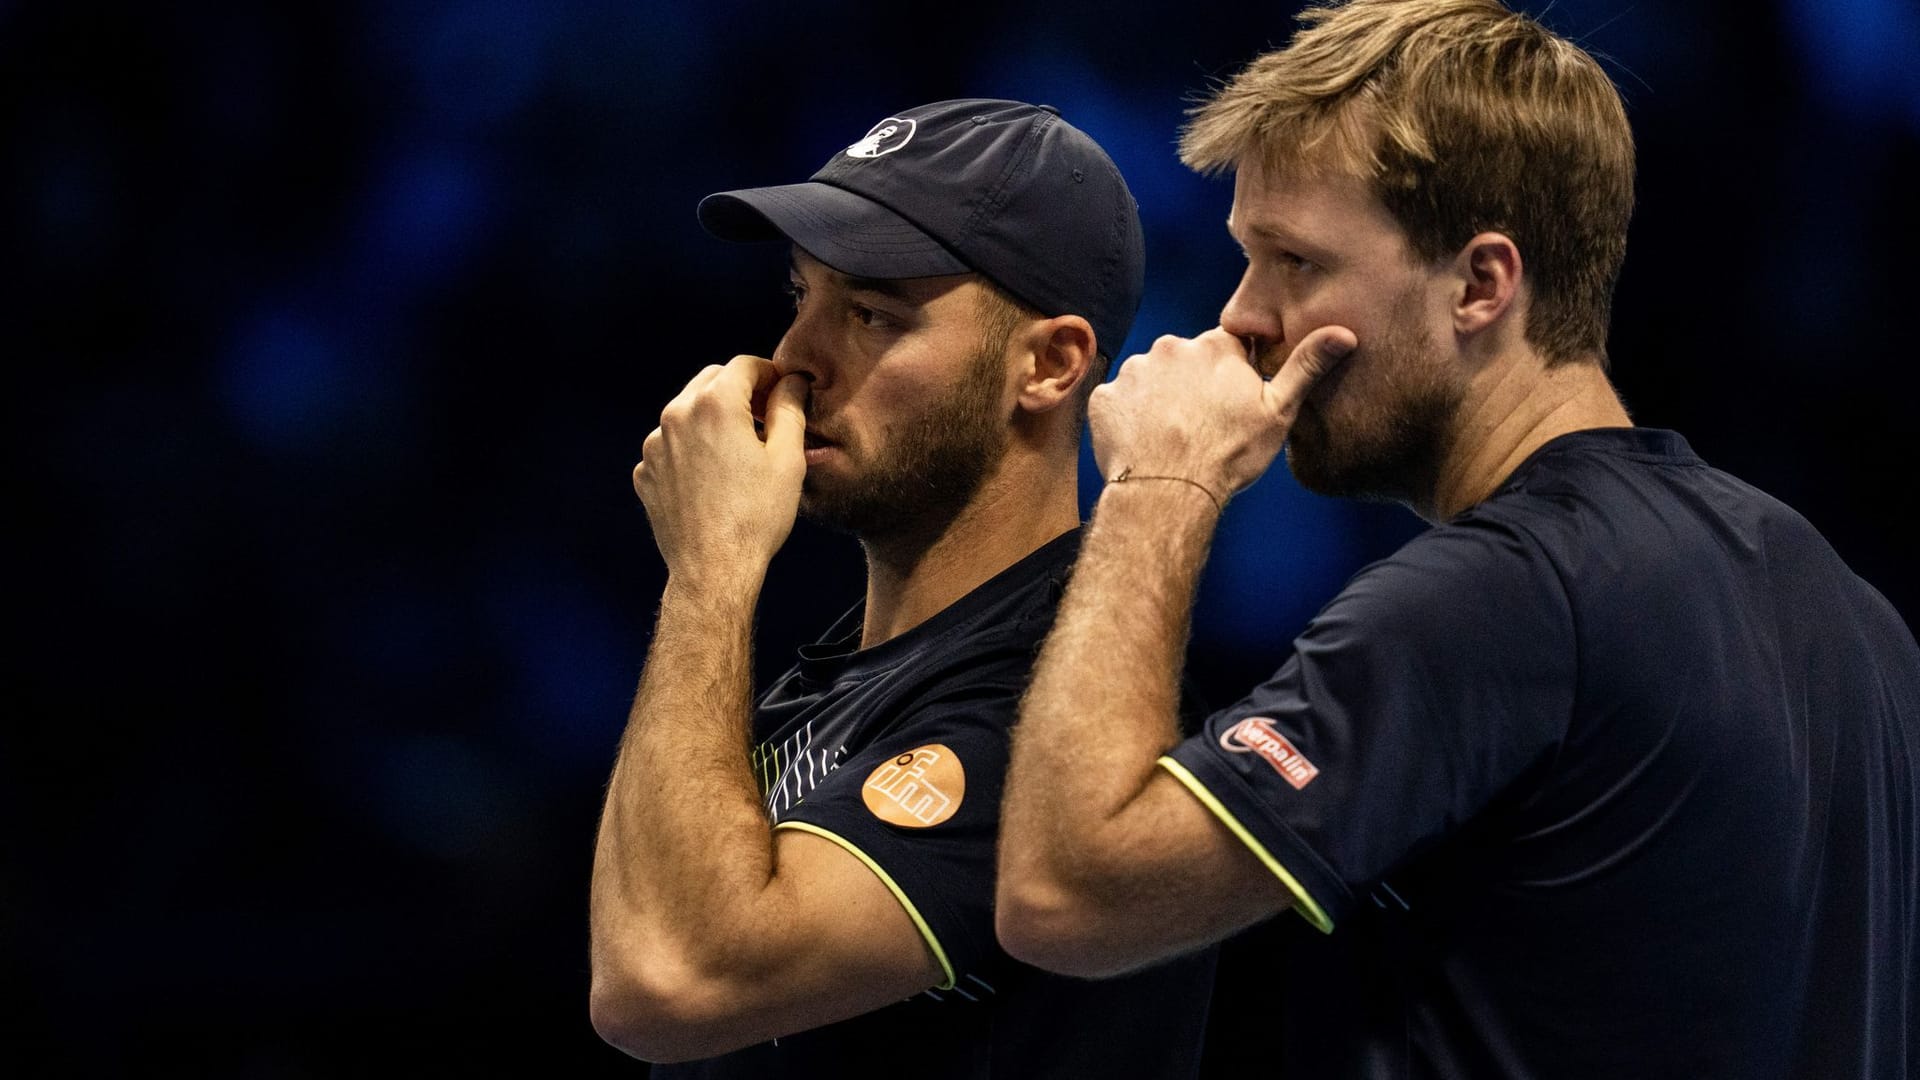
(1378, 426)
(916, 485)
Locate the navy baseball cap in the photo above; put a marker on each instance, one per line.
(1001, 188)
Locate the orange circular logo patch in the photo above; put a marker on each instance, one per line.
(917, 789)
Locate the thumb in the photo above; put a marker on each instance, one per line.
(1317, 354)
(786, 417)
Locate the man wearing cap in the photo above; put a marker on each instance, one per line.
(800, 884)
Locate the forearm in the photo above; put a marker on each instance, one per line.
(1104, 700)
(1107, 862)
(711, 932)
(684, 843)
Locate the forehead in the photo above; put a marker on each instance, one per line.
(1336, 211)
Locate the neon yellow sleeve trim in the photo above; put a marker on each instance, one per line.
(886, 879)
(1308, 910)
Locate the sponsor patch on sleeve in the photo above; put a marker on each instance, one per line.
(1257, 735)
(917, 789)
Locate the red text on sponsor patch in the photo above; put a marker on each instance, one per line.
(1257, 735)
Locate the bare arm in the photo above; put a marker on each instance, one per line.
(1107, 863)
(709, 932)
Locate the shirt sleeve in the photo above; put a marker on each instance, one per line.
(1414, 699)
(920, 806)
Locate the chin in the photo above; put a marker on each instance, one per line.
(1385, 463)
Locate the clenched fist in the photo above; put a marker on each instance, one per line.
(1195, 408)
(721, 495)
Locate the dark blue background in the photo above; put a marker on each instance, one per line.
(341, 325)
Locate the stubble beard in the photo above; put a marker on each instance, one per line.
(918, 485)
(1383, 441)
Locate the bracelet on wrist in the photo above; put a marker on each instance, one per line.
(1126, 474)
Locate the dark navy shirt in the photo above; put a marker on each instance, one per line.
(898, 753)
(1613, 775)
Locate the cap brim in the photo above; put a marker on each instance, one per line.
(849, 232)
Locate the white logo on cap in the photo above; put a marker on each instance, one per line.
(887, 136)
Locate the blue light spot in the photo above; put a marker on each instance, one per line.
(425, 216)
(284, 383)
(1862, 54)
(572, 669)
(479, 62)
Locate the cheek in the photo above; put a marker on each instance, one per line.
(877, 408)
(1382, 329)
(1364, 380)
(1308, 306)
(1337, 395)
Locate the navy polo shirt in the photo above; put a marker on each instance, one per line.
(1613, 775)
(898, 753)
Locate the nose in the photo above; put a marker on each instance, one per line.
(1251, 312)
(800, 352)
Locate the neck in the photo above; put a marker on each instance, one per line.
(1028, 500)
(1513, 409)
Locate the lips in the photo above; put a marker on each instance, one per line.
(818, 448)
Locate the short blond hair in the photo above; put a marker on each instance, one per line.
(1463, 117)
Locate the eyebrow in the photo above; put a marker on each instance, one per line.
(890, 288)
(887, 287)
(1287, 240)
(1263, 231)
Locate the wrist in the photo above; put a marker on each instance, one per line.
(1161, 525)
(718, 589)
(1166, 490)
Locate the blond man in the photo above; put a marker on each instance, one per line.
(1610, 773)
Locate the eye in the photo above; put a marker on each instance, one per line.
(872, 318)
(796, 291)
(1296, 262)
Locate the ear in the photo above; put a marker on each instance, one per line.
(1490, 274)
(1061, 352)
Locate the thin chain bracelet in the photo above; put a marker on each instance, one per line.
(1126, 473)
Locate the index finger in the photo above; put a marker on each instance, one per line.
(755, 376)
(755, 373)
(786, 409)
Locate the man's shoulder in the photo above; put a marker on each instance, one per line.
(1471, 562)
(1615, 506)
